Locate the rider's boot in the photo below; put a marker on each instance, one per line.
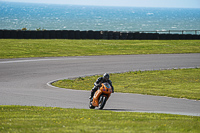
(91, 95)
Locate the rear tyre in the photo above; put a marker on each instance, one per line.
(90, 104)
(102, 102)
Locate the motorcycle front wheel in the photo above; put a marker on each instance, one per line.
(102, 102)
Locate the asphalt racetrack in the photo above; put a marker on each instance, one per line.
(25, 82)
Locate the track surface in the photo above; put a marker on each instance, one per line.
(24, 82)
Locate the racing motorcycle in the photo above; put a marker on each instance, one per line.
(101, 96)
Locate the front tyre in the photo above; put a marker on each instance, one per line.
(102, 102)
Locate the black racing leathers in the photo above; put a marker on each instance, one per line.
(97, 84)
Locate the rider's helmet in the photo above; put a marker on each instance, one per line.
(106, 76)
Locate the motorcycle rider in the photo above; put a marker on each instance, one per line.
(97, 84)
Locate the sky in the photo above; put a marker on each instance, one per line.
(130, 3)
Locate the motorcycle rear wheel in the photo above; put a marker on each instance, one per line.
(90, 104)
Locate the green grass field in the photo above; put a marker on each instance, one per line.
(47, 119)
(180, 83)
(23, 48)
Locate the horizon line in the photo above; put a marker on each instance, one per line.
(98, 5)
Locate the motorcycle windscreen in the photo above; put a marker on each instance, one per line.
(107, 85)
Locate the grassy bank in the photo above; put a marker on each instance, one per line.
(47, 119)
(180, 83)
(20, 48)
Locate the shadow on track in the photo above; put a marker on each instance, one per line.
(120, 110)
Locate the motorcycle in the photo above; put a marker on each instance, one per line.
(101, 96)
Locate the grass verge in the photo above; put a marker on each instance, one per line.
(24, 48)
(179, 83)
(48, 119)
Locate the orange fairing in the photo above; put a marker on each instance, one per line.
(105, 89)
(96, 98)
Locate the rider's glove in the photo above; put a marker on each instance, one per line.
(98, 85)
